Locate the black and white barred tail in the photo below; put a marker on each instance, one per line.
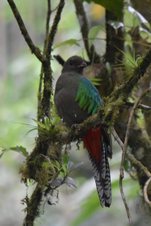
(103, 184)
(102, 171)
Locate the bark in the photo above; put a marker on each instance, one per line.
(143, 7)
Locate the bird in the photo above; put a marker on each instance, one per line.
(76, 99)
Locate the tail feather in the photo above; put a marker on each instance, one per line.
(100, 187)
(107, 186)
(102, 165)
(99, 150)
(103, 186)
(107, 142)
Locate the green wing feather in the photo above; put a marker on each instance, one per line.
(88, 96)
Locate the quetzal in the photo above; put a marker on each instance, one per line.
(76, 98)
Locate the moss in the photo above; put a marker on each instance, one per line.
(48, 171)
(24, 171)
(112, 110)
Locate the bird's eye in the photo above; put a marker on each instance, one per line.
(71, 63)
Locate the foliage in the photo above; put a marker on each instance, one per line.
(69, 42)
(93, 32)
(19, 149)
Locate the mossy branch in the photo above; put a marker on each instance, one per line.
(44, 105)
(33, 206)
(36, 161)
(126, 88)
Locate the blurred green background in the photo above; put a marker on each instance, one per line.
(19, 77)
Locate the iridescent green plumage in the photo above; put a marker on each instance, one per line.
(88, 97)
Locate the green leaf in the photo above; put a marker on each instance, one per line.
(64, 167)
(145, 34)
(69, 42)
(93, 33)
(65, 159)
(20, 149)
(115, 6)
(134, 19)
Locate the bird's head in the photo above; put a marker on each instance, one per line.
(74, 63)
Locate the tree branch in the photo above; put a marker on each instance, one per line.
(114, 45)
(83, 22)
(35, 162)
(114, 39)
(140, 106)
(47, 79)
(54, 28)
(119, 95)
(42, 71)
(139, 72)
(34, 49)
(33, 206)
(48, 16)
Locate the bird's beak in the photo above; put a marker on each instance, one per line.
(83, 65)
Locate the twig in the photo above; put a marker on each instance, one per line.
(59, 59)
(34, 49)
(130, 156)
(140, 106)
(48, 16)
(54, 28)
(82, 18)
(147, 191)
(44, 49)
(144, 107)
(124, 200)
(138, 164)
(83, 24)
(125, 149)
